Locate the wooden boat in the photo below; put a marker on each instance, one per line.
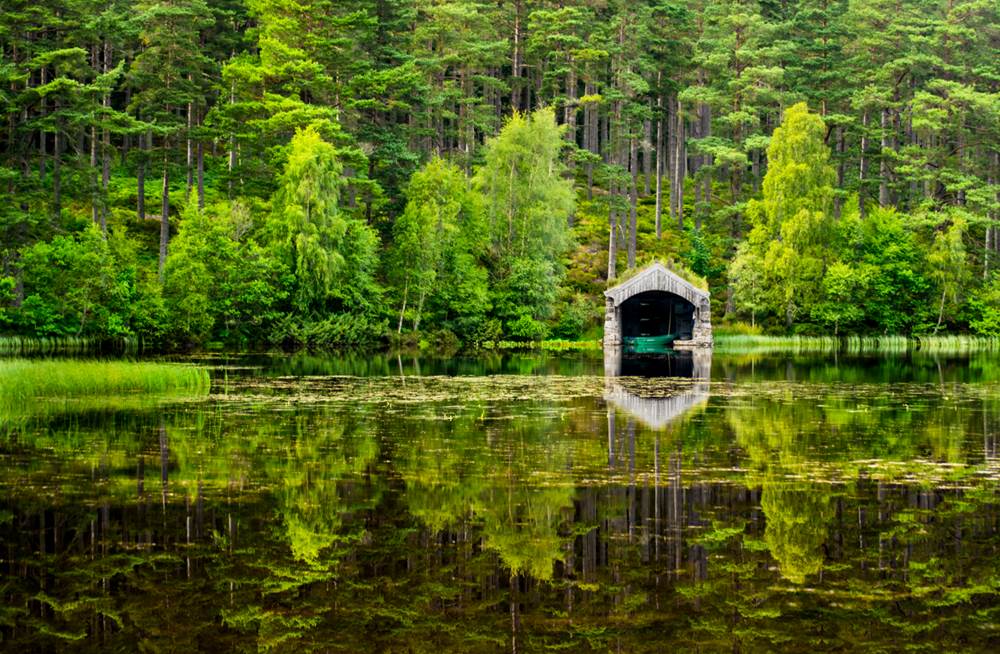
(648, 344)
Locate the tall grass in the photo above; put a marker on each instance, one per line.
(25, 379)
(22, 345)
(958, 343)
(945, 344)
(738, 343)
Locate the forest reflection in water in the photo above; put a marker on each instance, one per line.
(513, 504)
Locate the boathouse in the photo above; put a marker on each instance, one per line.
(658, 303)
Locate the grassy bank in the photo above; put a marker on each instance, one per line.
(23, 379)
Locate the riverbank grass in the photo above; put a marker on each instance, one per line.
(24, 379)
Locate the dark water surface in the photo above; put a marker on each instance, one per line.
(520, 503)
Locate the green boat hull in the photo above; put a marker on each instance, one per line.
(648, 344)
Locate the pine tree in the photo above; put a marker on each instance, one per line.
(167, 75)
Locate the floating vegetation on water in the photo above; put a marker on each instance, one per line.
(25, 379)
(441, 388)
(548, 346)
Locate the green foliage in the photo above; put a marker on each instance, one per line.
(985, 311)
(307, 226)
(843, 285)
(438, 243)
(946, 262)
(76, 285)
(889, 259)
(527, 197)
(787, 246)
(528, 204)
(242, 288)
(332, 256)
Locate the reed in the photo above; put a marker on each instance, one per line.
(957, 344)
(25, 379)
(884, 344)
(739, 343)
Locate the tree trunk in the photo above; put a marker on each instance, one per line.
(165, 213)
(647, 153)
(633, 199)
(986, 251)
(515, 82)
(705, 116)
(863, 164)
(402, 311)
(126, 139)
(95, 210)
(42, 136)
(669, 155)
(680, 166)
(57, 173)
(189, 147)
(837, 200)
(201, 175)
(944, 294)
(105, 181)
(883, 163)
(140, 177)
(992, 227)
(659, 162)
(606, 137)
(232, 146)
(613, 229)
(590, 135)
(569, 111)
(105, 153)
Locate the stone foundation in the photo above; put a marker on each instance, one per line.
(612, 324)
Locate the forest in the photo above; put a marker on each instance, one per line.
(338, 173)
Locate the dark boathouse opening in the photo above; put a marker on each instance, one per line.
(656, 313)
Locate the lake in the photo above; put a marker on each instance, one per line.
(516, 503)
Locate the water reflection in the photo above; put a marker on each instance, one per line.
(658, 404)
(506, 512)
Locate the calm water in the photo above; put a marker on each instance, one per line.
(520, 504)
